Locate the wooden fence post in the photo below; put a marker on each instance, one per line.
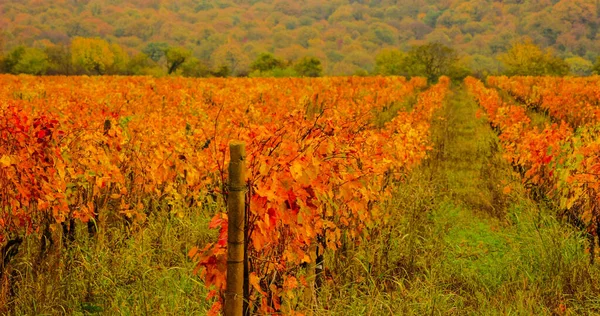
(236, 204)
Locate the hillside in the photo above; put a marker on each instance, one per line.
(344, 34)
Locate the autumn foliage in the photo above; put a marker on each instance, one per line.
(118, 149)
(573, 100)
(324, 186)
(560, 161)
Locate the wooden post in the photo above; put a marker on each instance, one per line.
(236, 202)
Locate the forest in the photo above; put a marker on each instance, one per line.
(280, 38)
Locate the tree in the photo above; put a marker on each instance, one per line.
(283, 73)
(527, 59)
(120, 61)
(309, 67)
(579, 66)
(193, 67)
(2, 42)
(345, 68)
(34, 62)
(381, 34)
(596, 68)
(155, 51)
(92, 55)
(26, 60)
(267, 65)
(482, 66)
(222, 72)
(391, 62)
(432, 60)
(60, 59)
(12, 58)
(266, 62)
(139, 64)
(233, 57)
(305, 34)
(361, 59)
(459, 70)
(176, 56)
(342, 14)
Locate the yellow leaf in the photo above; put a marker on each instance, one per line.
(5, 161)
(298, 173)
(60, 169)
(263, 169)
(296, 170)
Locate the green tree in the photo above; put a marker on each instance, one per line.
(459, 70)
(308, 67)
(382, 34)
(283, 73)
(579, 66)
(193, 67)
(527, 59)
(222, 72)
(155, 51)
(266, 62)
(361, 59)
(61, 62)
(120, 60)
(267, 65)
(26, 60)
(391, 62)
(176, 56)
(432, 61)
(141, 64)
(2, 41)
(596, 68)
(482, 66)
(12, 58)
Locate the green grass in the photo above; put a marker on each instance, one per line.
(116, 273)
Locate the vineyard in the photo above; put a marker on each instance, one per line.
(385, 191)
(560, 162)
(321, 157)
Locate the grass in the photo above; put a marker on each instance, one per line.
(116, 273)
(464, 239)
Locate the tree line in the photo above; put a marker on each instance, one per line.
(96, 56)
(345, 35)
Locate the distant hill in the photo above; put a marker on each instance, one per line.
(344, 34)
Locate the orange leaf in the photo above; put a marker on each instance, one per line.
(255, 282)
